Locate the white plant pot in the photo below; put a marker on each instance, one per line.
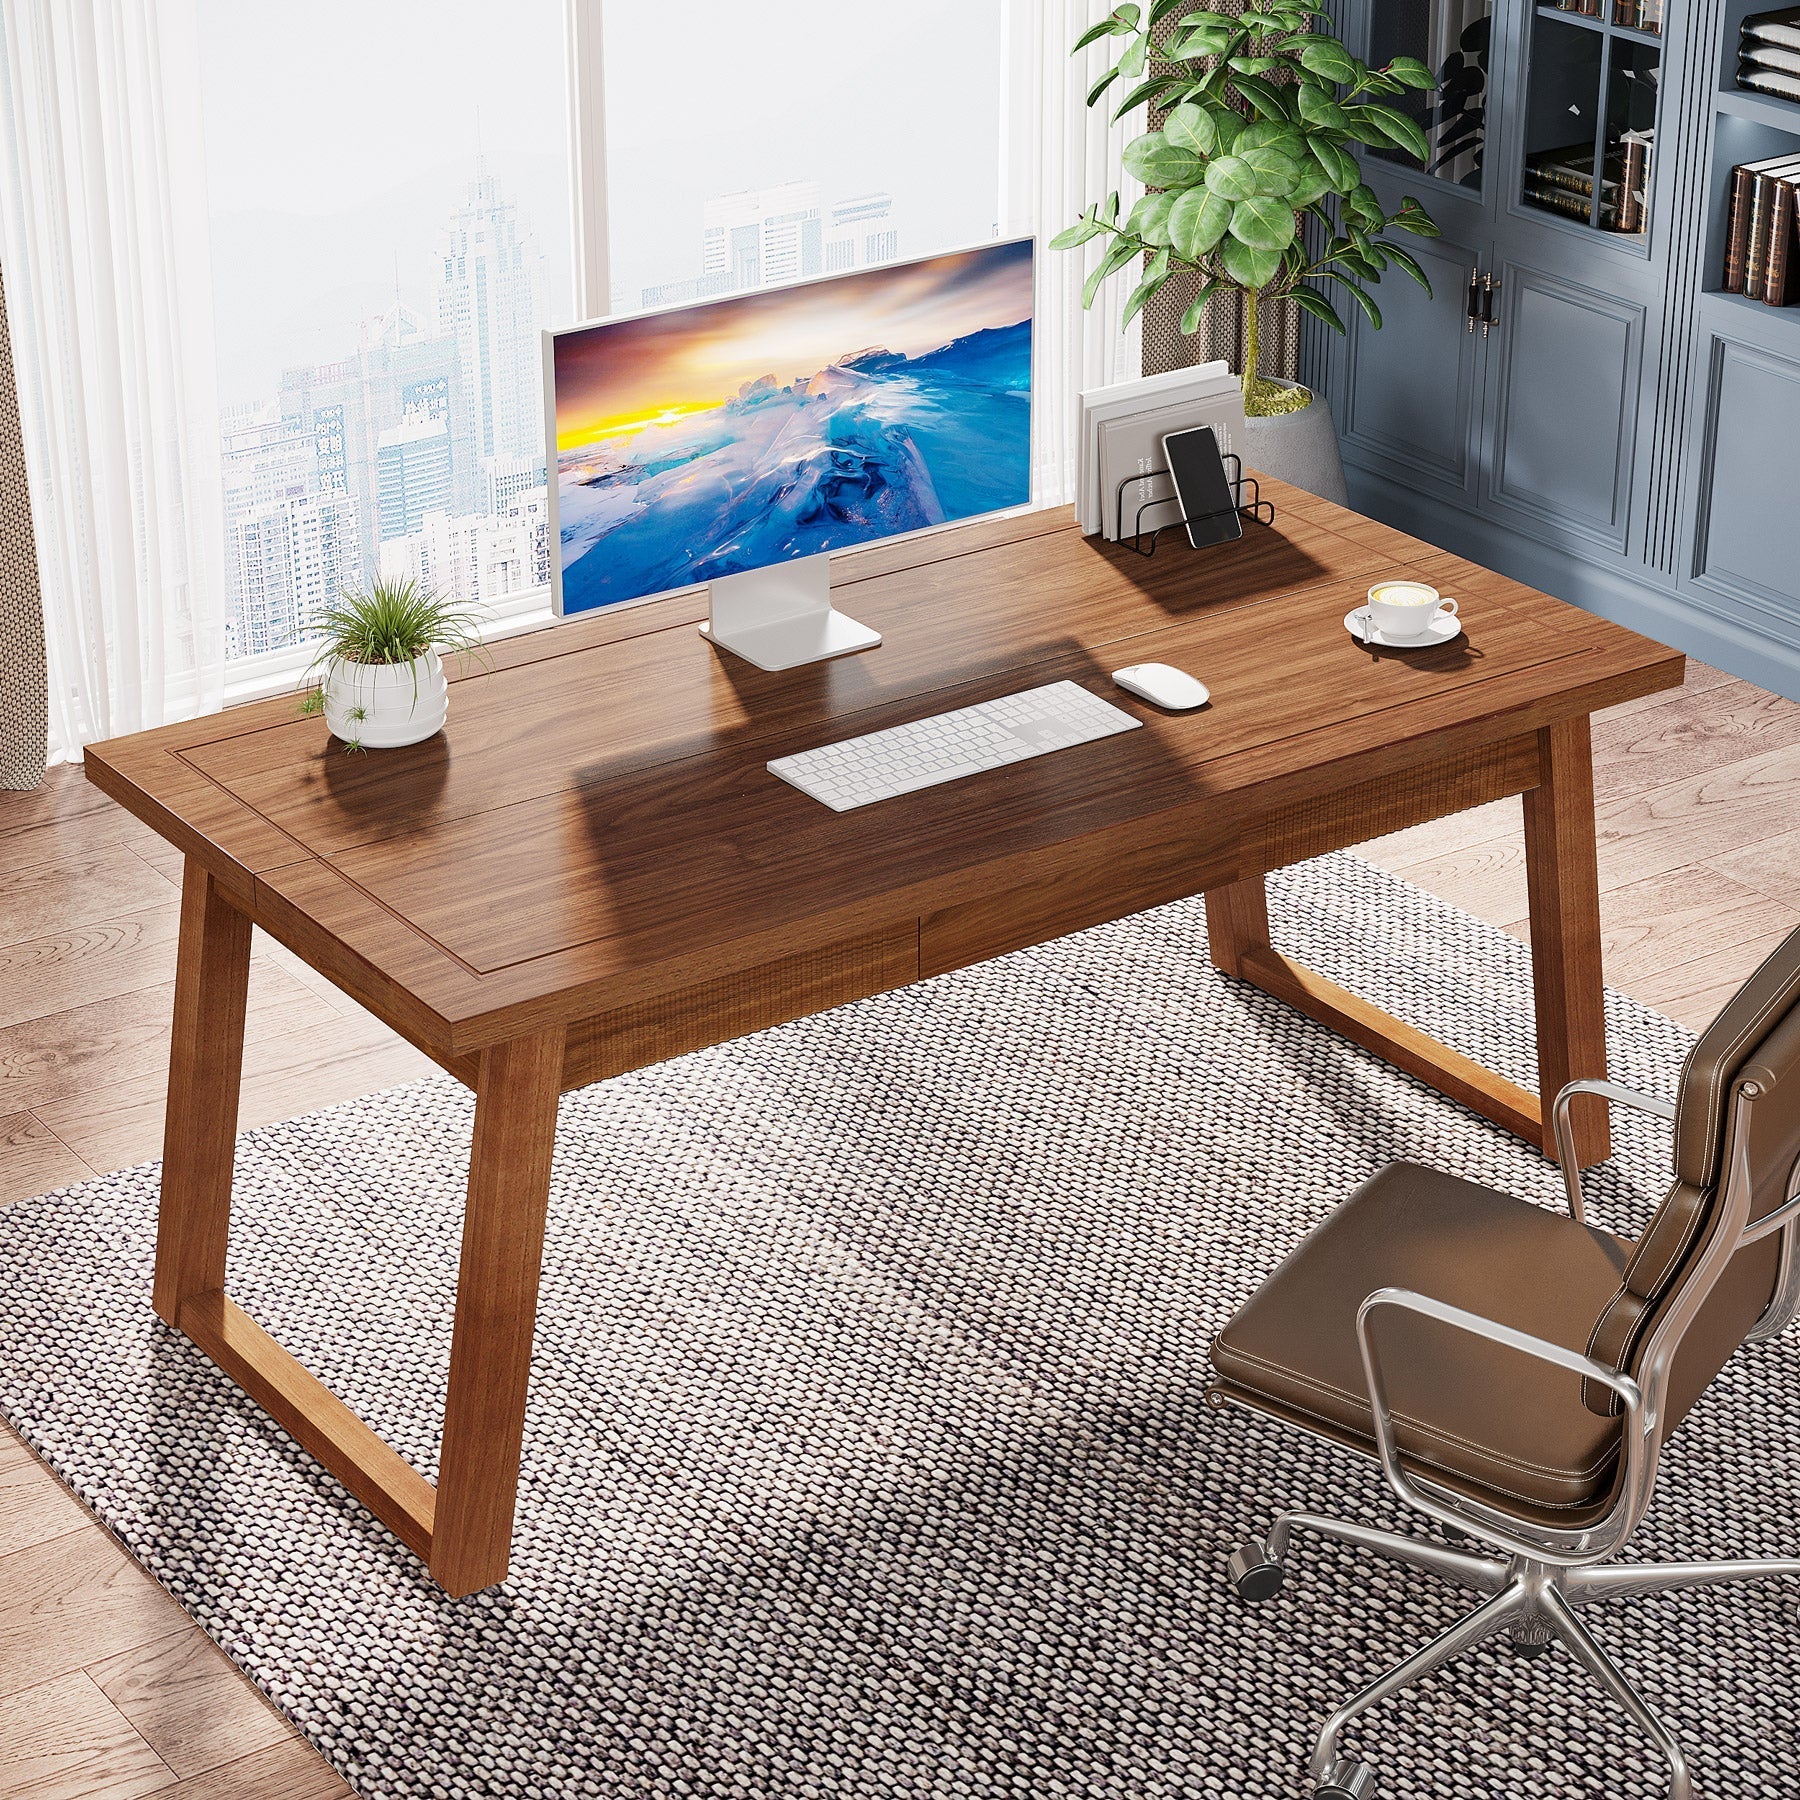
(383, 705)
(1300, 448)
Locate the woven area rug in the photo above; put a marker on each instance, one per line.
(867, 1453)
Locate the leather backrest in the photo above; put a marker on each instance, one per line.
(1756, 1036)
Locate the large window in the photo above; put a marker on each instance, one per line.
(390, 191)
(388, 187)
(749, 146)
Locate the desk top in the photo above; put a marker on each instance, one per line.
(595, 825)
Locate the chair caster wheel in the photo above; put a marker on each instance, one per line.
(1531, 1648)
(1253, 1572)
(1346, 1779)
(1455, 1534)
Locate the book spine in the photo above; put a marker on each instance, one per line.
(1768, 81)
(1631, 190)
(1737, 233)
(1629, 13)
(1761, 31)
(1762, 210)
(1781, 247)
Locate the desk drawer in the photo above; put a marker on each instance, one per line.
(735, 1005)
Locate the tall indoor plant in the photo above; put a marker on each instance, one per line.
(1252, 180)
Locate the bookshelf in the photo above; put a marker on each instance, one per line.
(1608, 423)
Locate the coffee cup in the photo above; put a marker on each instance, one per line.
(1406, 609)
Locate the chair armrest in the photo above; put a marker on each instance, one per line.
(1459, 1319)
(1565, 1135)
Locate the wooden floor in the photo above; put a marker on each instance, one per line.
(106, 1687)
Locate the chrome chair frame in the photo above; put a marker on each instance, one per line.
(1547, 1574)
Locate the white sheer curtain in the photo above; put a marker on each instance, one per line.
(104, 234)
(1057, 158)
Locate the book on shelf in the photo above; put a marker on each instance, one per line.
(1769, 81)
(1769, 59)
(1761, 257)
(1782, 28)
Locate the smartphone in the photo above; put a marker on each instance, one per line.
(1207, 501)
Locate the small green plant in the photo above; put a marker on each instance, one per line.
(1256, 146)
(393, 620)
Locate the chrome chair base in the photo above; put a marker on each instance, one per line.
(1534, 1603)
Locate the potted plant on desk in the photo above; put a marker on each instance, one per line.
(380, 675)
(1253, 158)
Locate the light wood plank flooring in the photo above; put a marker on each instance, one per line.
(106, 1688)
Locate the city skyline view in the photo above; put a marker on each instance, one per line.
(383, 269)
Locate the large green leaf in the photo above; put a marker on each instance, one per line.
(1156, 272)
(1087, 226)
(1115, 259)
(1263, 224)
(1363, 203)
(1196, 312)
(1327, 57)
(1154, 161)
(1116, 24)
(1197, 222)
(1271, 171)
(1249, 268)
(1212, 37)
(1414, 218)
(1337, 162)
(1394, 125)
(1231, 126)
(1319, 307)
(1150, 217)
(1231, 178)
(1407, 261)
(1412, 72)
(1318, 107)
(1102, 85)
(1312, 185)
(1267, 99)
(1271, 134)
(1370, 310)
(1134, 61)
(1155, 88)
(1192, 128)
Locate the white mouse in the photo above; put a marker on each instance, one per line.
(1163, 686)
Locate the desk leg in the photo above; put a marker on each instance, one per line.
(1563, 877)
(496, 1311)
(1237, 922)
(206, 1057)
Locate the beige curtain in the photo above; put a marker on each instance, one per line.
(1221, 333)
(24, 688)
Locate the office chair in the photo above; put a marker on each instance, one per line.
(1518, 1373)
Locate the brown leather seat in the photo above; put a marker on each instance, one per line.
(1529, 1368)
(1505, 1424)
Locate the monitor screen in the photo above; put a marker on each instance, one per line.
(727, 436)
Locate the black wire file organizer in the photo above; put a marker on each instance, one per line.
(1247, 499)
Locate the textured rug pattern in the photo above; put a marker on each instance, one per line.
(867, 1453)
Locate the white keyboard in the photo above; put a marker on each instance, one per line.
(862, 770)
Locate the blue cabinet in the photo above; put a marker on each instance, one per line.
(1577, 403)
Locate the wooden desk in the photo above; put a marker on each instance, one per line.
(591, 869)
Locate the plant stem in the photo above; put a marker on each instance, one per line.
(1252, 344)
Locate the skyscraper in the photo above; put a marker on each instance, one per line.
(763, 236)
(860, 233)
(490, 299)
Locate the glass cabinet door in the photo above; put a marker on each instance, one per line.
(1590, 113)
(1454, 39)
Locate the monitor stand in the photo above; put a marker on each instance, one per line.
(781, 617)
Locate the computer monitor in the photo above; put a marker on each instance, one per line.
(739, 441)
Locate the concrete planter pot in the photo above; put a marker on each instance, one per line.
(384, 705)
(1300, 448)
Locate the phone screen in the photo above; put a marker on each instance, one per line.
(1205, 494)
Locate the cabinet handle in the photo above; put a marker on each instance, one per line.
(1473, 308)
(1490, 317)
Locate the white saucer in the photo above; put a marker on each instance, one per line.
(1444, 627)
